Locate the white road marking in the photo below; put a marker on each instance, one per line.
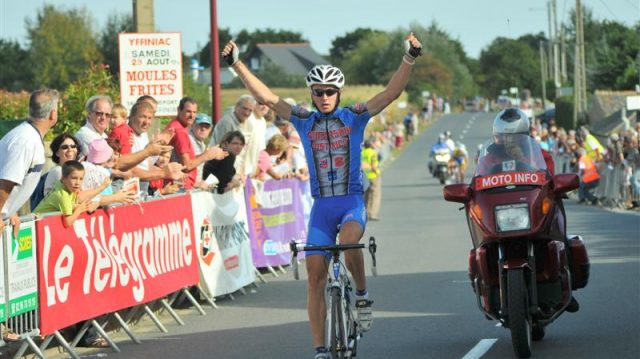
(480, 349)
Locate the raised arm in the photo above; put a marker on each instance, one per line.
(258, 89)
(399, 80)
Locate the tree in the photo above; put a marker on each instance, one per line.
(509, 63)
(63, 46)
(116, 24)
(224, 35)
(342, 46)
(15, 74)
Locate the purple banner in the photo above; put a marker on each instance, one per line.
(276, 216)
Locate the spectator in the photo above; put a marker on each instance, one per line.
(64, 147)
(98, 110)
(589, 178)
(275, 148)
(200, 131)
(64, 196)
(371, 170)
(224, 170)
(142, 114)
(158, 187)
(271, 128)
(594, 148)
(183, 151)
(120, 130)
(22, 157)
(238, 120)
(408, 126)
(21, 162)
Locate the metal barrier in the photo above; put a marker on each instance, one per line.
(615, 186)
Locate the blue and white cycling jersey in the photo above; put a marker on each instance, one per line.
(332, 145)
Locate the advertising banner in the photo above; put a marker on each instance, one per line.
(222, 240)
(276, 217)
(115, 258)
(151, 64)
(22, 270)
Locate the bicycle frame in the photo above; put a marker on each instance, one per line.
(342, 329)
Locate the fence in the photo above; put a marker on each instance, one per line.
(135, 260)
(614, 188)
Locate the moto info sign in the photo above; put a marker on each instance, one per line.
(151, 64)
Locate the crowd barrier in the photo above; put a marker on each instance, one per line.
(128, 260)
(614, 187)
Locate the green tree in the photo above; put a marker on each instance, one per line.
(224, 35)
(116, 24)
(342, 46)
(62, 46)
(15, 74)
(509, 63)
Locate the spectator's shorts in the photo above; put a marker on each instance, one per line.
(329, 214)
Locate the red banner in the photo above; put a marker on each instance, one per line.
(114, 259)
(510, 178)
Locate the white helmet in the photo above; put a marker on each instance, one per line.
(511, 121)
(325, 75)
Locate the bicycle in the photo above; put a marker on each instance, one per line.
(342, 329)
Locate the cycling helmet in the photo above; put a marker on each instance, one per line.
(325, 75)
(511, 121)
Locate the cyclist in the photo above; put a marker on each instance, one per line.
(461, 157)
(332, 137)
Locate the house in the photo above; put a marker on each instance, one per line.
(293, 58)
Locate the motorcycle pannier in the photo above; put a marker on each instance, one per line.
(579, 263)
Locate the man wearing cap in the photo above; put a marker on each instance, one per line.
(200, 131)
(183, 151)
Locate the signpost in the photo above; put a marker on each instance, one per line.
(151, 64)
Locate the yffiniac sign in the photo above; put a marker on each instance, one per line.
(151, 64)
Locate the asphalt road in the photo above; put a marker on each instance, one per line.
(424, 305)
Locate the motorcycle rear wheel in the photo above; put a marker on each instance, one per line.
(519, 318)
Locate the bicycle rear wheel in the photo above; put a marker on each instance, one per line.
(337, 338)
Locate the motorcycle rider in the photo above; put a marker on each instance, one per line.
(441, 144)
(506, 126)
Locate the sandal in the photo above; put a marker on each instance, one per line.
(99, 342)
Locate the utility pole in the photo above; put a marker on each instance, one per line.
(563, 56)
(580, 73)
(143, 19)
(543, 73)
(215, 62)
(551, 37)
(556, 46)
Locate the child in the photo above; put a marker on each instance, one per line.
(64, 196)
(100, 161)
(275, 147)
(120, 130)
(157, 187)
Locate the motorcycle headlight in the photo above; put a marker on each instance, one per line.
(512, 217)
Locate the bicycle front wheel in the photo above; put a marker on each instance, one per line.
(338, 344)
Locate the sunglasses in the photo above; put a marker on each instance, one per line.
(66, 147)
(100, 114)
(321, 92)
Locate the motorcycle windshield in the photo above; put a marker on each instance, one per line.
(510, 159)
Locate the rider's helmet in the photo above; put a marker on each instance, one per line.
(511, 121)
(447, 134)
(325, 75)
(442, 138)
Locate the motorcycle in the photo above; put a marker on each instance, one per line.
(523, 268)
(441, 164)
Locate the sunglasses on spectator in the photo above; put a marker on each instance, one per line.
(100, 114)
(321, 92)
(66, 147)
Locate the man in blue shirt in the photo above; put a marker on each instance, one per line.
(332, 138)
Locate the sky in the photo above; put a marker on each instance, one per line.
(475, 23)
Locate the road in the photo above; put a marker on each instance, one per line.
(424, 305)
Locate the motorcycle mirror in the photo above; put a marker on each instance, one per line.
(457, 193)
(565, 182)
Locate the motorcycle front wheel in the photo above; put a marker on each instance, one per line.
(519, 318)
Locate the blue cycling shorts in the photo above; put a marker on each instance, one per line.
(331, 213)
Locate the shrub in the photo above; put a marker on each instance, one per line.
(14, 105)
